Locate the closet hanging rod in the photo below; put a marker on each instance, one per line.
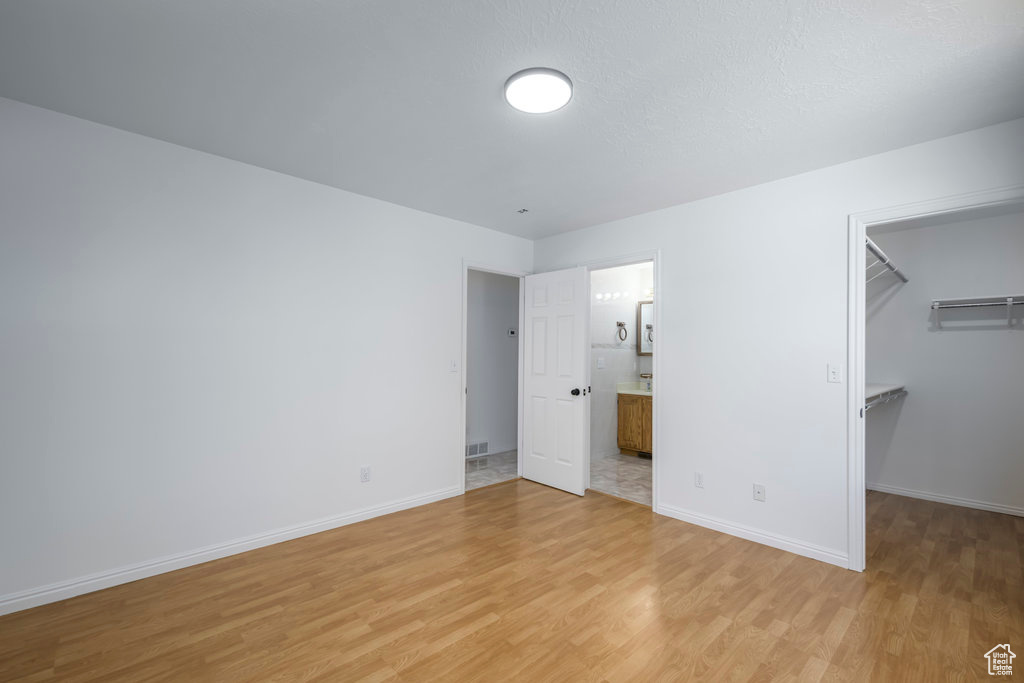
(978, 302)
(883, 259)
(1002, 302)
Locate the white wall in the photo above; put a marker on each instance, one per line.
(753, 305)
(194, 351)
(492, 361)
(621, 364)
(957, 433)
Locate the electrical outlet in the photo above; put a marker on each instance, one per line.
(364, 474)
(759, 492)
(698, 479)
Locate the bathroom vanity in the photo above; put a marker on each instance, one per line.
(635, 418)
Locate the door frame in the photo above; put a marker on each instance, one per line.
(858, 226)
(468, 265)
(654, 256)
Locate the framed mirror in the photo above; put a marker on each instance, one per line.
(645, 328)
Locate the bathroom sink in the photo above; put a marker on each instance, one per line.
(636, 388)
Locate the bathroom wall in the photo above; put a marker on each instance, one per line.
(956, 436)
(492, 361)
(611, 360)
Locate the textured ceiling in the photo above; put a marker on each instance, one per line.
(402, 100)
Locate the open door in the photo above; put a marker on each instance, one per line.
(555, 379)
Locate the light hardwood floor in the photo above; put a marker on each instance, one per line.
(522, 582)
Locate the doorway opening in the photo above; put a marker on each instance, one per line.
(622, 347)
(492, 378)
(937, 312)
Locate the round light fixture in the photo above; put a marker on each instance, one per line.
(538, 91)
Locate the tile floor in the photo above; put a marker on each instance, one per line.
(625, 476)
(491, 469)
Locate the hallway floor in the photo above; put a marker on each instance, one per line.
(623, 476)
(491, 469)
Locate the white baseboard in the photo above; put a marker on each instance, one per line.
(33, 597)
(949, 500)
(792, 545)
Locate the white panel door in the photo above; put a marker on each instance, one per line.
(555, 381)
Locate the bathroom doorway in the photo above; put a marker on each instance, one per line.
(622, 346)
(492, 378)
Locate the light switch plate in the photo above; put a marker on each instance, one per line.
(835, 373)
(600, 362)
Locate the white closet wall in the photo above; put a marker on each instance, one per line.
(957, 435)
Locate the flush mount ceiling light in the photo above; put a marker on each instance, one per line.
(538, 91)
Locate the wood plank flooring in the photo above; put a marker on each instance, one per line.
(522, 582)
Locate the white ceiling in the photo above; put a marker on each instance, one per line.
(402, 99)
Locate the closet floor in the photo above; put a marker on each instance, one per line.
(491, 469)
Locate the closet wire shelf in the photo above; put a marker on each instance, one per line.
(978, 302)
(881, 260)
(880, 395)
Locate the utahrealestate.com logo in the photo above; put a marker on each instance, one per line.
(1000, 660)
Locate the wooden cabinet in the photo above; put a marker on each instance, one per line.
(635, 420)
(646, 424)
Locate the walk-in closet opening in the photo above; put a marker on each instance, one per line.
(943, 354)
(622, 346)
(492, 378)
